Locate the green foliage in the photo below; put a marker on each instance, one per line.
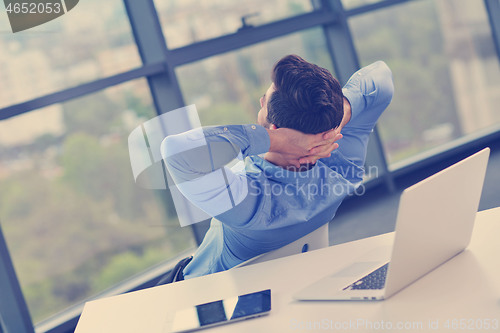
(16, 198)
(414, 51)
(125, 265)
(93, 116)
(135, 104)
(45, 141)
(71, 207)
(82, 162)
(101, 172)
(295, 8)
(92, 277)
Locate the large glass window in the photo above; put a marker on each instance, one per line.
(74, 219)
(226, 89)
(91, 41)
(188, 21)
(445, 68)
(349, 4)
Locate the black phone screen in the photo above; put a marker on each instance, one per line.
(222, 311)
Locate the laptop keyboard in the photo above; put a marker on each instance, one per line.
(374, 280)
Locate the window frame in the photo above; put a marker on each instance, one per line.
(158, 67)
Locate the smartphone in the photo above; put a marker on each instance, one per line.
(221, 312)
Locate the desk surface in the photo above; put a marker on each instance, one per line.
(461, 295)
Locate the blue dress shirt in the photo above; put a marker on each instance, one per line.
(258, 206)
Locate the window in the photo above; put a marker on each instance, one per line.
(226, 89)
(78, 47)
(445, 69)
(186, 22)
(349, 4)
(75, 221)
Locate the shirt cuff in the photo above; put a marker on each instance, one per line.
(258, 139)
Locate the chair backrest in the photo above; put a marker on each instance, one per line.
(315, 240)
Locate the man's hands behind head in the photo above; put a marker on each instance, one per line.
(299, 148)
(324, 148)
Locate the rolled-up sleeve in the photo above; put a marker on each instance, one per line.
(369, 92)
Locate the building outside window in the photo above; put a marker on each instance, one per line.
(445, 69)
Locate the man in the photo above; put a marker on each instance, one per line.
(297, 168)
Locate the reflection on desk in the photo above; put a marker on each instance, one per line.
(463, 294)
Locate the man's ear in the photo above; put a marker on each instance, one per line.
(273, 127)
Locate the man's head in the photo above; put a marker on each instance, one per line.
(303, 96)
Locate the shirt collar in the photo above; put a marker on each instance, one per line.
(259, 164)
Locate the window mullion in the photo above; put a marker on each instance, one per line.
(14, 314)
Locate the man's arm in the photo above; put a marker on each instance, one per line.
(368, 92)
(197, 159)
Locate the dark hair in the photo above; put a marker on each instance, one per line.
(307, 97)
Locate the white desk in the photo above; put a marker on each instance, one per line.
(467, 287)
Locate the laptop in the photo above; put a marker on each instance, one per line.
(434, 223)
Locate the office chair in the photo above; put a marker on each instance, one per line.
(314, 240)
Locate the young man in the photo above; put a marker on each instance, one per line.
(297, 167)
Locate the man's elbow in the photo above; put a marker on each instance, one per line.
(186, 158)
(170, 151)
(385, 83)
